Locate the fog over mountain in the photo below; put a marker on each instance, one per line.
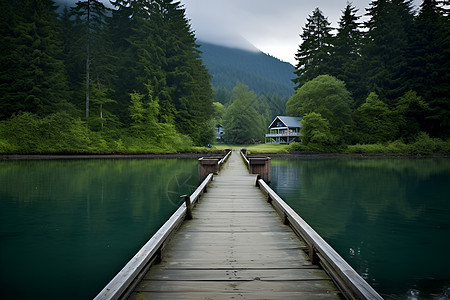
(263, 73)
(271, 26)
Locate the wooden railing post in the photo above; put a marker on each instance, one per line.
(187, 200)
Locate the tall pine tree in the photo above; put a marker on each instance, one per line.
(385, 52)
(315, 50)
(33, 74)
(347, 50)
(430, 65)
(91, 44)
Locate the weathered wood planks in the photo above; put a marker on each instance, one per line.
(235, 247)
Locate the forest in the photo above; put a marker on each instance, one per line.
(93, 79)
(384, 82)
(90, 79)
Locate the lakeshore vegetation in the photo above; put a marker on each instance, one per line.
(90, 79)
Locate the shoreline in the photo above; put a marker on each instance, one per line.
(295, 155)
(4, 157)
(317, 155)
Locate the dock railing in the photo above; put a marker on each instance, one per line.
(126, 280)
(257, 165)
(211, 164)
(320, 252)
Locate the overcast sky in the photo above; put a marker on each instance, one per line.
(273, 26)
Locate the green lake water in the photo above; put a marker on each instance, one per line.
(67, 227)
(389, 218)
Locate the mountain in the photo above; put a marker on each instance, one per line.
(263, 73)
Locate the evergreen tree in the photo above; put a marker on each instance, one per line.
(386, 48)
(347, 50)
(89, 24)
(430, 65)
(314, 53)
(347, 43)
(33, 75)
(9, 102)
(123, 59)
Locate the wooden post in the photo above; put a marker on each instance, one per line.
(261, 166)
(187, 200)
(207, 166)
(312, 254)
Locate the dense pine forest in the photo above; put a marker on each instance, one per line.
(131, 78)
(94, 79)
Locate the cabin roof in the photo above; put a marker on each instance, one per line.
(291, 122)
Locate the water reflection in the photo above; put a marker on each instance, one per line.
(72, 225)
(389, 218)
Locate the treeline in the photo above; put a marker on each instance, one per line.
(94, 79)
(330, 124)
(393, 53)
(391, 74)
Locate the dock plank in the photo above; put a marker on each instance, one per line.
(235, 247)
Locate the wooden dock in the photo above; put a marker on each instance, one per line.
(236, 246)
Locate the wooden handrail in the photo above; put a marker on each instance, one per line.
(247, 162)
(122, 283)
(257, 165)
(347, 279)
(225, 158)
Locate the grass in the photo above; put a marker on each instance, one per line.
(256, 148)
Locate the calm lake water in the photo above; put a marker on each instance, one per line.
(389, 218)
(67, 227)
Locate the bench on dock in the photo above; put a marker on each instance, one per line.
(241, 241)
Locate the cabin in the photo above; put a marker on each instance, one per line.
(219, 132)
(284, 130)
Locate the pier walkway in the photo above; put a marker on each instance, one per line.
(235, 247)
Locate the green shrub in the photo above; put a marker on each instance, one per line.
(423, 144)
(442, 147)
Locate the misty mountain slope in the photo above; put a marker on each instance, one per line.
(263, 73)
